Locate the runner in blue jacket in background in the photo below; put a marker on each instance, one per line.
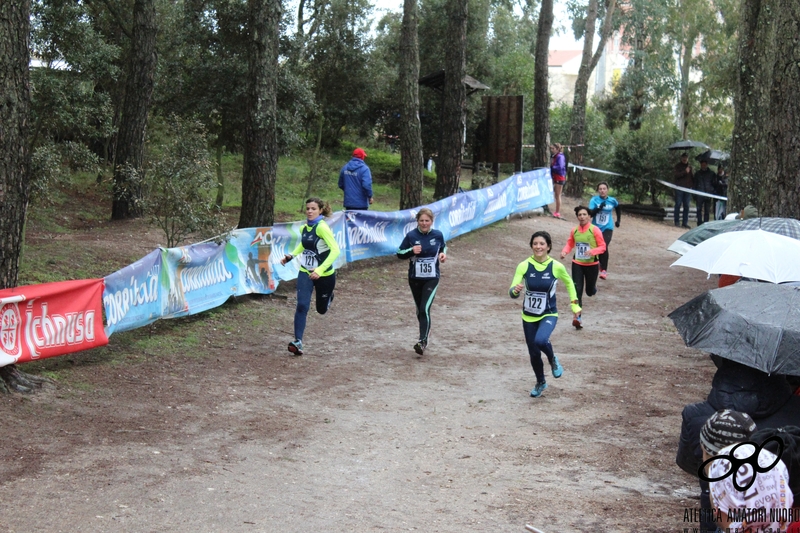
(600, 207)
(425, 247)
(355, 179)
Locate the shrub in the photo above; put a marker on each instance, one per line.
(179, 184)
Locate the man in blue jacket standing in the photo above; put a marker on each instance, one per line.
(355, 180)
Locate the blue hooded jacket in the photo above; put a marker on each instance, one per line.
(355, 180)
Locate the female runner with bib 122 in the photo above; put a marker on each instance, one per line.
(425, 248)
(319, 251)
(537, 277)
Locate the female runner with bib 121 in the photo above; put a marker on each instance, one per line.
(587, 239)
(319, 251)
(535, 279)
(425, 248)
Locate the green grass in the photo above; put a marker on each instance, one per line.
(292, 180)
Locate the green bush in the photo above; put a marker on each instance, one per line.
(642, 157)
(180, 183)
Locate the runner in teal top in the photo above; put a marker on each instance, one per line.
(600, 207)
(535, 280)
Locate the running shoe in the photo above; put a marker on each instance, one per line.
(556, 367)
(603, 274)
(577, 322)
(557, 215)
(538, 389)
(296, 347)
(420, 347)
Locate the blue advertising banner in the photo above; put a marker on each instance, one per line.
(175, 282)
(132, 296)
(254, 259)
(500, 198)
(202, 276)
(534, 189)
(376, 233)
(462, 214)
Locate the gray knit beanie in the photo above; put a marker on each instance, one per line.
(724, 428)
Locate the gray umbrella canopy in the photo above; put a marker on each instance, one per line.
(756, 324)
(701, 233)
(687, 144)
(789, 227)
(714, 157)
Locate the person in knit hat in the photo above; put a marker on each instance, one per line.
(355, 179)
(723, 428)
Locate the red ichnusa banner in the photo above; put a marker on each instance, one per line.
(38, 321)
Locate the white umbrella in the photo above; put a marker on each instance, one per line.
(756, 254)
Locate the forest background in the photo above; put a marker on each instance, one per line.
(337, 84)
(164, 105)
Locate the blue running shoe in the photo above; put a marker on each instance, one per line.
(556, 367)
(296, 347)
(538, 389)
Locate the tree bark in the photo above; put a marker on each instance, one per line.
(685, 68)
(136, 106)
(15, 96)
(589, 60)
(638, 93)
(541, 98)
(448, 167)
(410, 132)
(765, 153)
(14, 128)
(261, 134)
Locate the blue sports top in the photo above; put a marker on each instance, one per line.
(540, 288)
(603, 218)
(318, 247)
(426, 264)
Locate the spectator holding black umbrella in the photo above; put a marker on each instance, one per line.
(704, 182)
(683, 177)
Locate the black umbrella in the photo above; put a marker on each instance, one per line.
(756, 324)
(713, 157)
(687, 145)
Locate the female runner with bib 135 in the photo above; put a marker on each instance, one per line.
(537, 277)
(425, 248)
(587, 239)
(319, 251)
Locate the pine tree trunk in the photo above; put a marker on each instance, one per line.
(541, 98)
(14, 150)
(448, 167)
(410, 133)
(133, 123)
(14, 159)
(765, 154)
(685, 66)
(589, 60)
(260, 137)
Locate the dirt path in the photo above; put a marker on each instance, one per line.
(360, 434)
